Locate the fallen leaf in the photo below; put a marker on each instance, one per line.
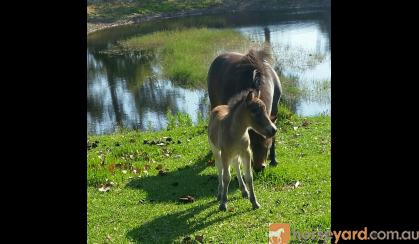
(104, 187)
(92, 145)
(187, 239)
(109, 237)
(186, 199)
(211, 162)
(305, 123)
(199, 238)
(111, 168)
(102, 158)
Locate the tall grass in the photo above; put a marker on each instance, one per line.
(186, 54)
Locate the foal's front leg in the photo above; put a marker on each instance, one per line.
(247, 168)
(242, 185)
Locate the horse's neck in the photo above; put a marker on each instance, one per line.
(235, 123)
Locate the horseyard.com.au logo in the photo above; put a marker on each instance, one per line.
(279, 233)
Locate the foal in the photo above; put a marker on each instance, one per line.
(229, 139)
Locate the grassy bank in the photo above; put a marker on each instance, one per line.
(186, 54)
(135, 180)
(105, 13)
(109, 11)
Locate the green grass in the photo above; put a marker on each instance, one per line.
(143, 207)
(186, 54)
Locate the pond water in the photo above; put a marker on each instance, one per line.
(130, 92)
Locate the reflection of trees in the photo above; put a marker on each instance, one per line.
(204, 106)
(133, 76)
(325, 24)
(267, 35)
(290, 96)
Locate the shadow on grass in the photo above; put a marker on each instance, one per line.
(168, 188)
(167, 228)
(184, 181)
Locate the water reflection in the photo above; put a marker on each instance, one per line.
(129, 91)
(302, 50)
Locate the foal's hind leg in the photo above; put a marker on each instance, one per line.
(242, 185)
(247, 168)
(226, 182)
(218, 163)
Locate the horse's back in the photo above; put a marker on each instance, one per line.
(226, 77)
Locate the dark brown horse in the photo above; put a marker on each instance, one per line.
(232, 73)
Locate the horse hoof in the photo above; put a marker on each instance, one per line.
(245, 194)
(260, 169)
(256, 205)
(273, 163)
(223, 207)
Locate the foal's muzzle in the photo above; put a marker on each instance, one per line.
(271, 130)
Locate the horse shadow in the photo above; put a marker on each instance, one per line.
(187, 180)
(184, 181)
(167, 228)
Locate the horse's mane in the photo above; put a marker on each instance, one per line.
(259, 59)
(238, 98)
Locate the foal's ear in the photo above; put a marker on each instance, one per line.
(250, 96)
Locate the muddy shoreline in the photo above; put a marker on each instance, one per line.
(317, 6)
